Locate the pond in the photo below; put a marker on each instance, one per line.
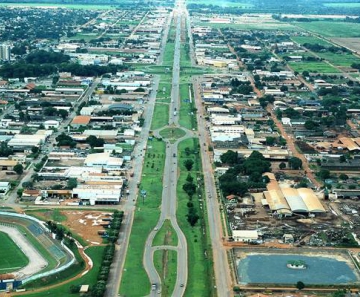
(272, 269)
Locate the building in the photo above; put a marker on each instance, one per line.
(104, 161)
(80, 121)
(6, 164)
(4, 188)
(51, 124)
(285, 201)
(98, 193)
(245, 235)
(4, 52)
(21, 142)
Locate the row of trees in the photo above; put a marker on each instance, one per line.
(253, 167)
(190, 189)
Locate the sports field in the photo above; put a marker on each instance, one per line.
(11, 257)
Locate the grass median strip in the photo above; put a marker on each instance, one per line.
(166, 235)
(200, 269)
(146, 216)
(166, 265)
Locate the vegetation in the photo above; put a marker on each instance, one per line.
(11, 256)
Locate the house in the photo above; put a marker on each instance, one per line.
(51, 124)
(6, 164)
(4, 188)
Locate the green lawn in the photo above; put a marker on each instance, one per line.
(166, 265)
(200, 269)
(95, 253)
(223, 3)
(169, 54)
(344, 60)
(166, 235)
(332, 29)
(253, 26)
(161, 116)
(187, 109)
(11, 256)
(318, 67)
(310, 39)
(145, 218)
(172, 133)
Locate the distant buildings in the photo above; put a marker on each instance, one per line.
(4, 52)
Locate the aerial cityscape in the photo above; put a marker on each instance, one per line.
(188, 148)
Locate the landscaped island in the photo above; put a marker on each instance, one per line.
(296, 264)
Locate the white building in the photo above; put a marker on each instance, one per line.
(98, 194)
(103, 160)
(245, 235)
(51, 124)
(4, 188)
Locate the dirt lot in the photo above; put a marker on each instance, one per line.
(352, 43)
(82, 222)
(86, 224)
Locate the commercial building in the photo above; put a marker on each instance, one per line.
(245, 235)
(285, 201)
(103, 160)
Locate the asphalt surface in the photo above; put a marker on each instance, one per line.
(169, 198)
(221, 266)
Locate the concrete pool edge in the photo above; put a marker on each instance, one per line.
(345, 255)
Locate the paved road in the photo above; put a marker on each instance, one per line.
(115, 275)
(221, 266)
(169, 198)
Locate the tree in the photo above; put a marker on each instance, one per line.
(72, 183)
(19, 169)
(342, 159)
(34, 150)
(230, 158)
(189, 189)
(93, 141)
(295, 163)
(270, 140)
(189, 178)
(188, 164)
(19, 192)
(63, 113)
(192, 216)
(300, 285)
(282, 165)
(323, 174)
(310, 125)
(343, 176)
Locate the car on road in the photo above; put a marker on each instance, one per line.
(153, 287)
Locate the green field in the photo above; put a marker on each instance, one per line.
(331, 28)
(11, 256)
(343, 4)
(145, 218)
(223, 3)
(72, 6)
(166, 235)
(342, 60)
(172, 134)
(165, 262)
(200, 269)
(310, 39)
(95, 253)
(161, 116)
(318, 67)
(253, 26)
